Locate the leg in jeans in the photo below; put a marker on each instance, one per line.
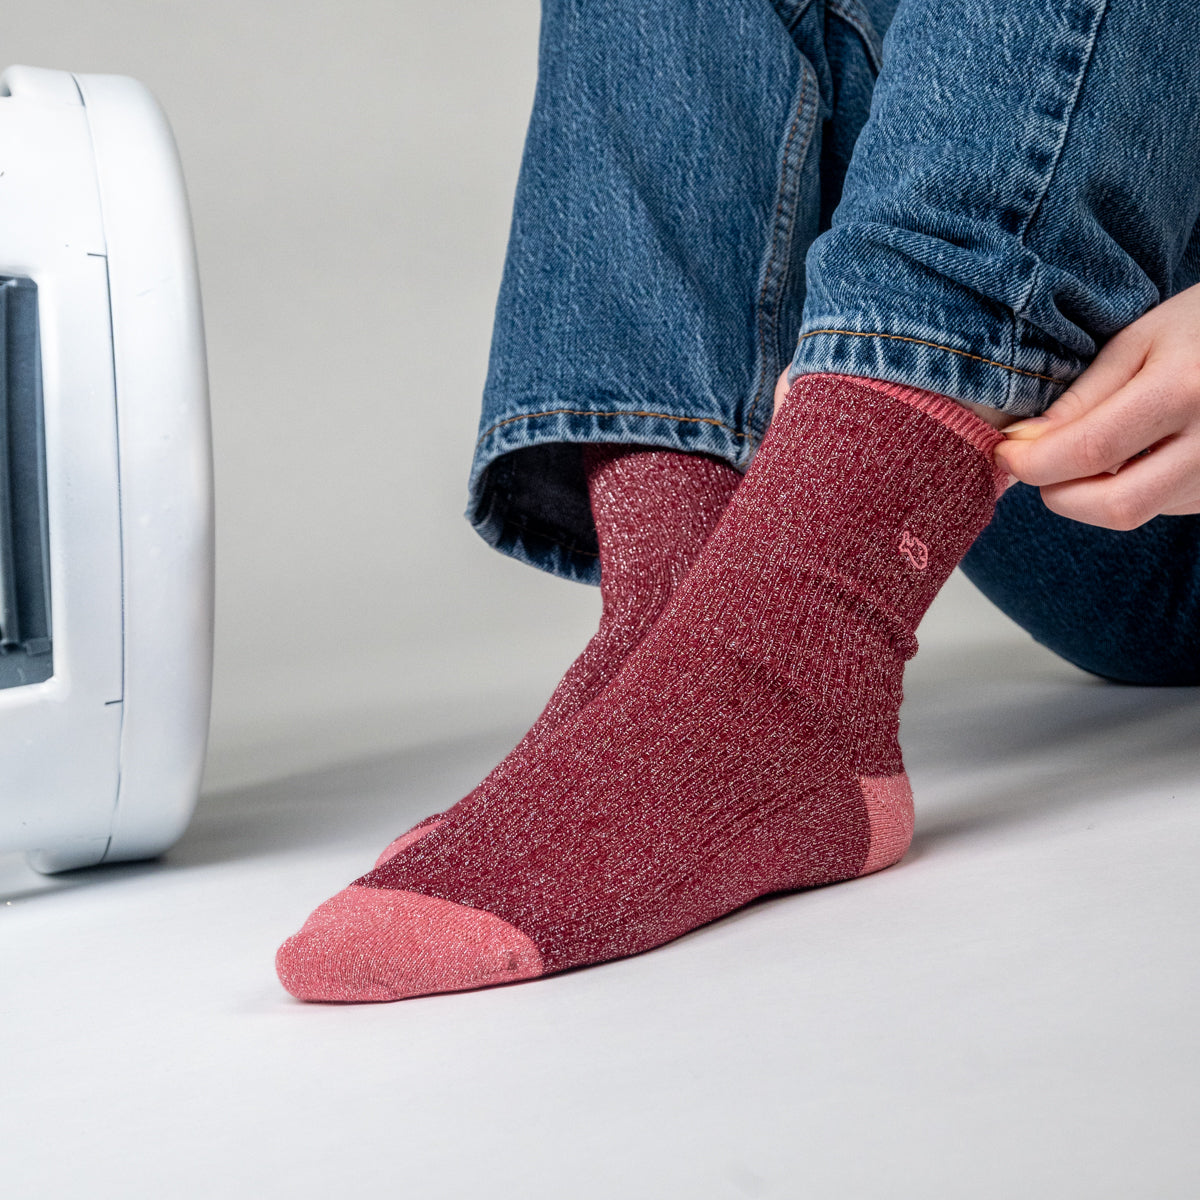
(994, 267)
(649, 296)
(1014, 201)
(681, 157)
(1027, 185)
(748, 743)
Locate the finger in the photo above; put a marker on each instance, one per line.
(1165, 479)
(781, 389)
(1139, 415)
(1188, 508)
(1118, 361)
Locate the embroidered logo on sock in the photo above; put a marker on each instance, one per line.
(914, 550)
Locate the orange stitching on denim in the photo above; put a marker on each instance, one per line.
(579, 412)
(773, 263)
(936, 345)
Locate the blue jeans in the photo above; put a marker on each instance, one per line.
(973, 203)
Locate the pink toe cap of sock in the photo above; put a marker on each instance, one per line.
(406, 839)
(380, 944)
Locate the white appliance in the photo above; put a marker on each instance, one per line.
(106, 542)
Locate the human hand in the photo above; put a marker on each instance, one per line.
(1122, 444)
(781, 389)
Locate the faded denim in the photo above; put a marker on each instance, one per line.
(969, 196)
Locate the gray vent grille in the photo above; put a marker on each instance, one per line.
(25, 635)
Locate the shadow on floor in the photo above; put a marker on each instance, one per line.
(362, 803)
(991, 737)
(1048, 730)
(994, 740)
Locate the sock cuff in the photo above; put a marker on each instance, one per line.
(950, 413)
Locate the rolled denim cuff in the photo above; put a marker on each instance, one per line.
(1024, 383)
(528, 491)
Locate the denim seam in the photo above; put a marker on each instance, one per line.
(935, 345)
(778, 259)
(1036, 208)
(792, 19)
(621, 412)
(858, 20)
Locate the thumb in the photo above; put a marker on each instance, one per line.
(1118, 361)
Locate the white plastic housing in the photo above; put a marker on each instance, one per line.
(102, 761)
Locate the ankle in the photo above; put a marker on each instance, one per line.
(995, 417)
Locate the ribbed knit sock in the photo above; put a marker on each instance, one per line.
(748, 745)
(653, 510)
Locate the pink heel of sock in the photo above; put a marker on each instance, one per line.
(889, 801)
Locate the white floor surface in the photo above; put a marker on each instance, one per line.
(1010, 1012)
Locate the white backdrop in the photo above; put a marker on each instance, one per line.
(1008, 1012)
(351, 169)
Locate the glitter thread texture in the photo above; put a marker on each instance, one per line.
(727, 758)
(653, 510)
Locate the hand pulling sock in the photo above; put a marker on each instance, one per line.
(748, 745)
(653, 510)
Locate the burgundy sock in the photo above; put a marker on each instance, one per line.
(748, 745)
(654, 510)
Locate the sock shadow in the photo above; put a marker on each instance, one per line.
(993, 739)
(362, 802)
(356, 802)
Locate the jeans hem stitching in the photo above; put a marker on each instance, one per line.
(936, 346)
(622, 412)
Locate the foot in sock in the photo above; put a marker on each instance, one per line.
(747, 746)
(653, 510)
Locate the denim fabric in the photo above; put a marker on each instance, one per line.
(1124, 605)
(968, 196)
(681, 158)
(1027, 185)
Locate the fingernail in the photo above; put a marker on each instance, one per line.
(1022, 431)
